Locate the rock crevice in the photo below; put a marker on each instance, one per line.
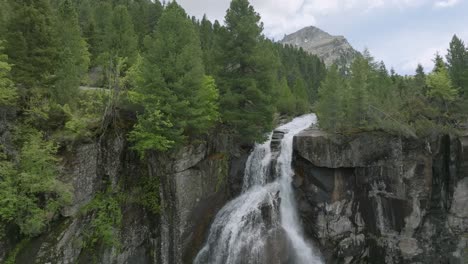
(377, 198)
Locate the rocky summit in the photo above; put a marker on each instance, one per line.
(318, 42)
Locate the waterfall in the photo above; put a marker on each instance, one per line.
(261, 225)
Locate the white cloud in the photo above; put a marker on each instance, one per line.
(402, 47)
(445, 3)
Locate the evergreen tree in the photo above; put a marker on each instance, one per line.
(32, 45)
(5, 13)
(420, 76)
(457, 61)
(74, 56)
(145, 15)
(172, 85)
(7, 90)
(358, 101)
(247, 73)
(330, 108)
(301, 96)
(439, 64)
(285, 100)
(99, 32)
(122, 40)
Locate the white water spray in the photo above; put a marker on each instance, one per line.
(245, 230)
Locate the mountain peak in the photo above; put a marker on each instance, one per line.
(318, 42)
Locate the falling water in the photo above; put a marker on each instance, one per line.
(249, 228)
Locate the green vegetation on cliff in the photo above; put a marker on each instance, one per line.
(369, 98)
(74, 70)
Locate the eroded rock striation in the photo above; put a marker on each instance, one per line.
(377, 198)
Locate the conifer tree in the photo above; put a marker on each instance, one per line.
(247, 73)
(457, 61)
(285, 100)
(74, 56)
(358, 101)
(122, 40)
(32, 43)
(330, 108)
(420, 76)
(172, 85)
(7, 90)
(145, 15)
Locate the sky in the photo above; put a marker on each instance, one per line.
(402, 33)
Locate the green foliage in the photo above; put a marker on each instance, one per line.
(457, 61)
(106, 220)
(148, 194)
(122, 41)
(440, 86)
(11, 258)
(170, 83)
(32, 43)
(8, 93)
(329, 108)
(371, 99)
(74, 56)
(30, 192)
(85, 117)
(247, 73)
(285, 99)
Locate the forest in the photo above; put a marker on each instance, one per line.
(368, 97)
(74, 70)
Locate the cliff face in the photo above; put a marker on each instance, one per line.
(378, 198)
(194, 182)
(318, 42)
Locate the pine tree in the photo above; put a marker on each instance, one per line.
(330, 108)
(74, 56)
(457, 61)
(172, 85)
(32, 44)
(247, 73)
(99, 32)
(145, 15)
(439, 64)
(5, 13)
(300, 96)
(285, 100)
(7, 90)
(420, 76)
(122, 40)
(358, 102)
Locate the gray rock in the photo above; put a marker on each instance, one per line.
(405, 199)
(318, 42)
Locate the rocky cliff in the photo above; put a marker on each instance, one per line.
(318, 42)
(193, 183)
(377, 198)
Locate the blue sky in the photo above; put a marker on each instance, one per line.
(402, 33)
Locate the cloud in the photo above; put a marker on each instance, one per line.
(446, 3)
(402, 33)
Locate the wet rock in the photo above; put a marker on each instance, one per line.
(276, 139)
(405, 199)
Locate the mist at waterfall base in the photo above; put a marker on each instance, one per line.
(261, 225)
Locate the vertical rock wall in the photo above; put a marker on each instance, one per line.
(376, 198)
(194, 181)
